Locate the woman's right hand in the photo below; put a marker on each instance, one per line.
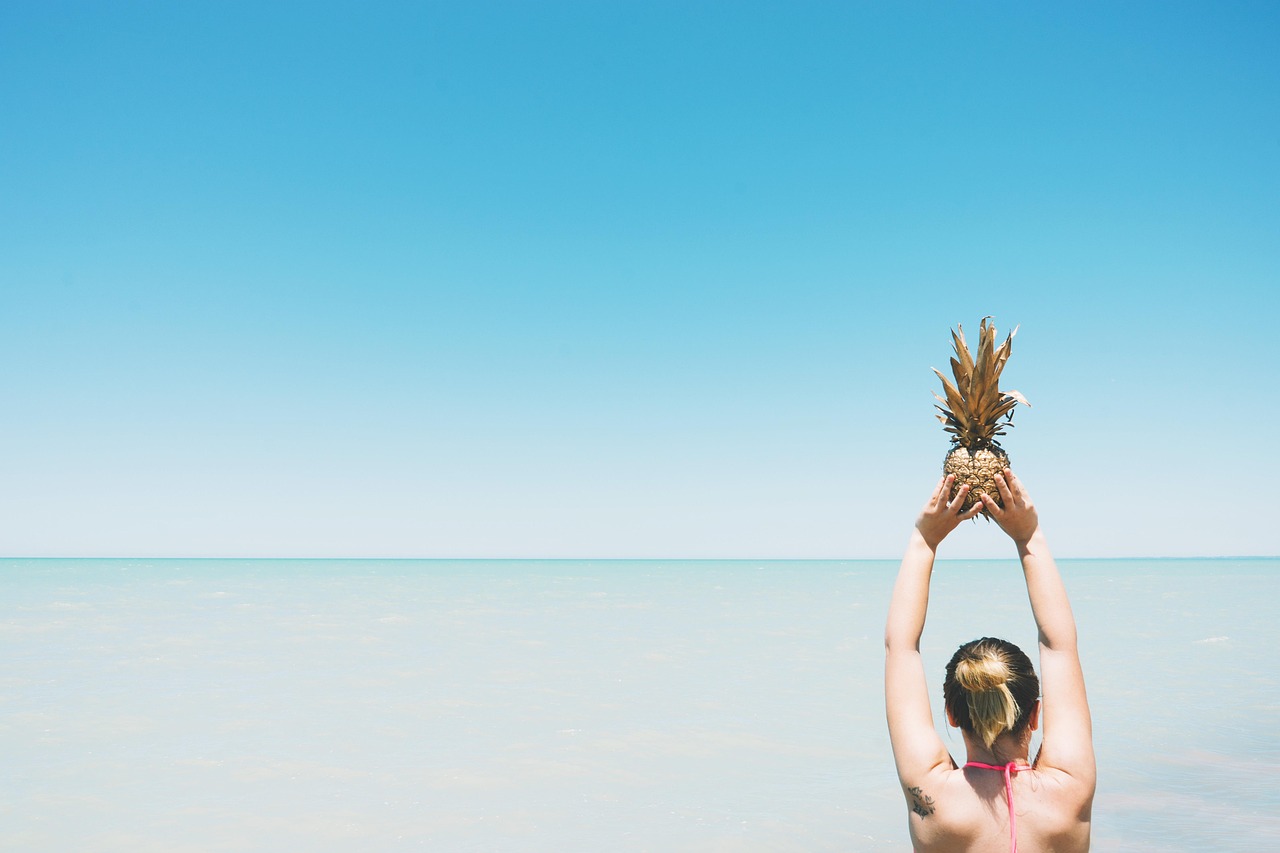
(942, 513)
(1018, 516)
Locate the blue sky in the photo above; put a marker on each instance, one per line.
(629, 279)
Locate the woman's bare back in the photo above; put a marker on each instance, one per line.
(965, 809)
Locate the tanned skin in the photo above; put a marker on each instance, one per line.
(954, 809)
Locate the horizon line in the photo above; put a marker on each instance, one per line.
(515, 559)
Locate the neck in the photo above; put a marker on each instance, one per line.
(1006, 748)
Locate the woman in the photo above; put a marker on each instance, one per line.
(999, 798)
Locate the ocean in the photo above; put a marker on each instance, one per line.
(347, 705)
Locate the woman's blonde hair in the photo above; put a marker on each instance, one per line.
(991, 688)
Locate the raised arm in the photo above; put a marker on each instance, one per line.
(917, 749)
(1068, 729)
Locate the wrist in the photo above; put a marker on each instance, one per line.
(1028, 543)
(920, 541)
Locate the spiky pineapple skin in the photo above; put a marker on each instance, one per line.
(978, 468)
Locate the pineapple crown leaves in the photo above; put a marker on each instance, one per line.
(974, 404)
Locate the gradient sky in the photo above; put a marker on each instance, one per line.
(548, 279)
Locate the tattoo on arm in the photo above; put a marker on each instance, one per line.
(921, 803)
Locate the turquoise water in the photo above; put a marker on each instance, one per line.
(542, 705)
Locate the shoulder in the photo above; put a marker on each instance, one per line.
(923, 788)
(942, 808)
(1070, 795)
(1078, 772)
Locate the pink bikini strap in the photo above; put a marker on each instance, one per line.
(1009, 769)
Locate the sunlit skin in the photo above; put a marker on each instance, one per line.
(950, 808)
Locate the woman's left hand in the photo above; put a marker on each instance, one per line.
(940, 516)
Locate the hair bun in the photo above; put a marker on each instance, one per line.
(982, 674)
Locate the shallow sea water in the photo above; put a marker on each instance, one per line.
(192, 705)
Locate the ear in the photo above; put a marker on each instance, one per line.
(1033, 722)
(951, 721)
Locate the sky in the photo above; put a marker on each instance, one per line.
(651, 280)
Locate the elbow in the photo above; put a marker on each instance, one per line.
(897, 641)
(1063, 640)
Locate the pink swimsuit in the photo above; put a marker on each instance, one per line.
(1008, 769)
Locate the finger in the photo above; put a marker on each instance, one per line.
(937, 490)
(972, 511)
(991, 505)
(958, 501)
(1015, 485)
(1002, 485)
(940, 494)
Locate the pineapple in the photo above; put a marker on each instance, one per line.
(972, 412)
